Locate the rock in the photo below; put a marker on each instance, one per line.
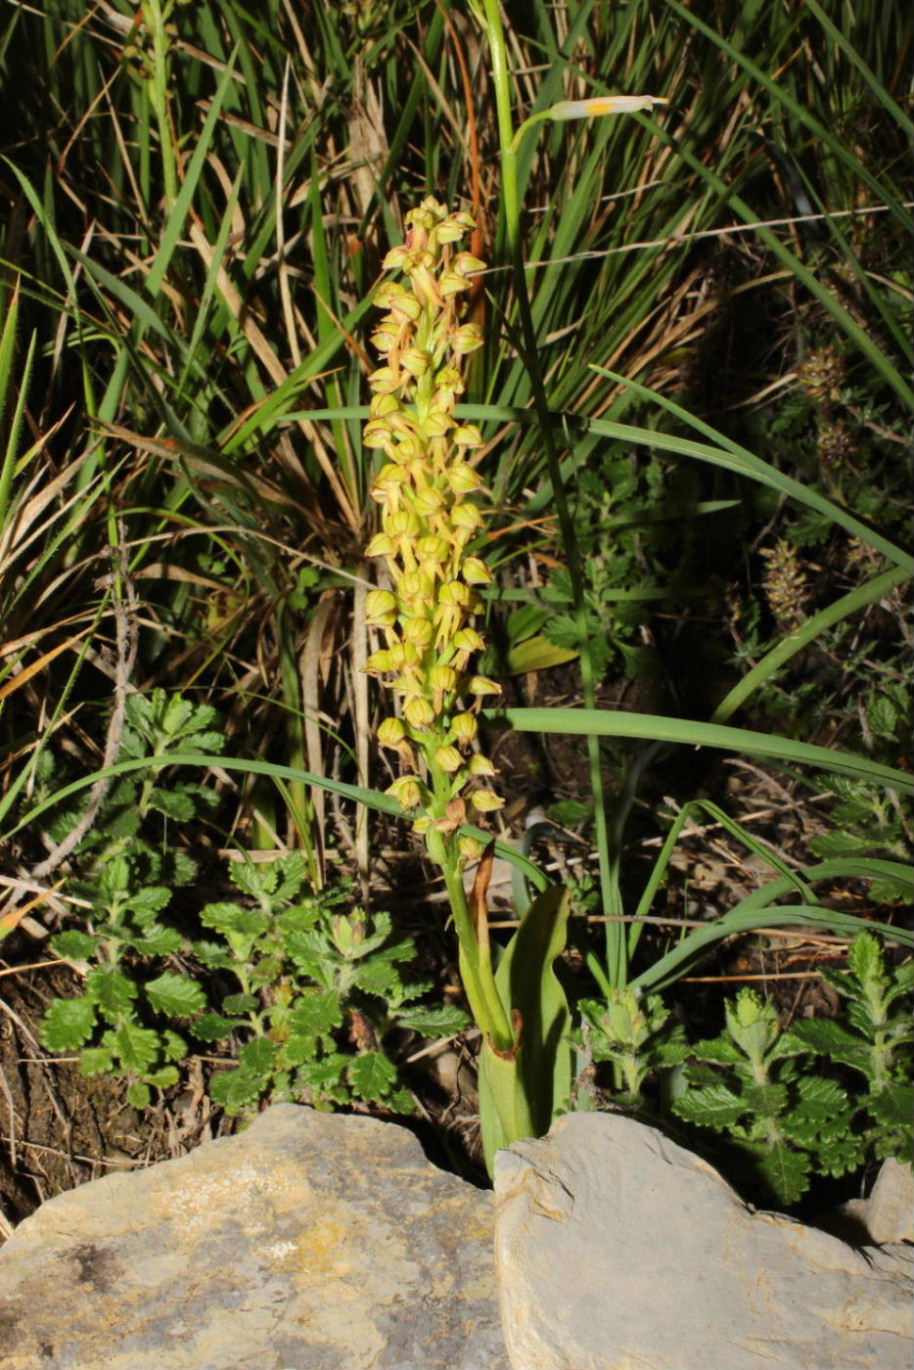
(616, 1249)
(311, 1241)
(888, 1214)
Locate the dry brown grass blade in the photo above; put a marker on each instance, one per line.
(35, 667)
(312, 665)
(368, 148)
(202, 464)
(30, 514)
(277, 373)
(359, 656)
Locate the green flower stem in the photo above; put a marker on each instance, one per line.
(616, 946)
(475, 957)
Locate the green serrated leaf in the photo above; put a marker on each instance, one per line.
(74, 946)
(237, 1090)
(902, 981)
(139, 1094)
(214, 954)
(239, 1003)
(883, 715)
(174, 804)
(316, 1013)
(258, 1056)
(146, 903)
(301, 917)
(293, 876)
(720, 1051)
(785, 1172)
(713, 1106)
(378, 975)
(175, 995)
(842, 1155)
(371, 1075)
(309, 952)
(866, 960)
(446, 1021)
(111, 990)
(115, 879)
(212, 1027)
(889, 890)
(837, 844)
(174, 1047)
(158, 941)
(822, 1117)
(325, 1076)
(297, 1051)
(96, 1061)
(164, 1078)
(229, 918)
(183, 869)
(765, 1101)
(137, 1047)
(827, 1038)
(893, 1106)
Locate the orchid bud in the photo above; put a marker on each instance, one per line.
(408, 791)
(419, 713)
(465, 728)
(449, 759)
(392, 733)
(475, 571)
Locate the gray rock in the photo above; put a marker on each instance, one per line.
(888, 1214)
(309, 1242)
(618, 1250)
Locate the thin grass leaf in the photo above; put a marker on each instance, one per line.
(800, 637)
(732, 457)
(781, 751)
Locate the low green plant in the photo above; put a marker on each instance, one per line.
(312, 971)
(781, 1099)
(121, 1024)
(636, 1034)
(128, 864)
(875, 1042)
(618, 509)
(823, 1097)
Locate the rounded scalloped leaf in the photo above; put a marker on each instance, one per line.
(236, 1090)
(67, 1024)
(176, 995)
(74, 945)
(111, 990)
(139, 1094)
(371, 1075)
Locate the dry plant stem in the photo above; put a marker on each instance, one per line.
(126, 656)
